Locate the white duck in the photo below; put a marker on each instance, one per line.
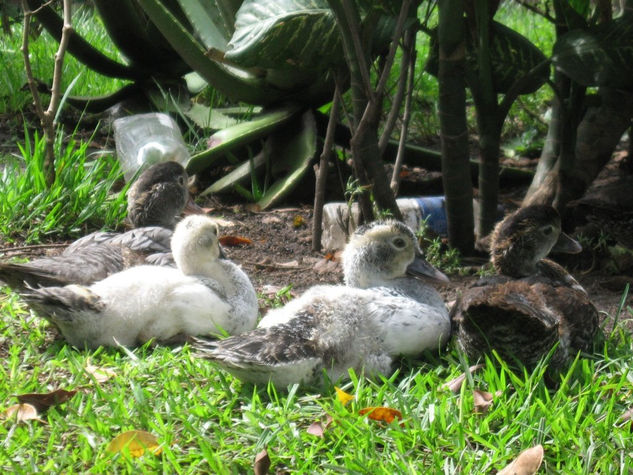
(380, 314)
(155, 199)
(204, 294)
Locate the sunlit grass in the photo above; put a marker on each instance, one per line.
(81, 197)
(207, 421)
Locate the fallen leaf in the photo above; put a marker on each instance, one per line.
(22, 412)
(100, 374)
(455, 385)
(483, 400)
(527, 463)
(324, 265)
(42, 401)
(262, 463)
(298, 221)
(136, 442)
(318, 428)
(383, 414)
(231, 241)
(342, 396)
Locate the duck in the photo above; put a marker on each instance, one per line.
(532, 305)
(155, 199)
(383, 311)
(204, 294)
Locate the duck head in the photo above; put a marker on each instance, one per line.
(159, 195)
(382, 251)
(195, 244)
(525, 237)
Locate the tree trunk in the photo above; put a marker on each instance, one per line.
(454, 133)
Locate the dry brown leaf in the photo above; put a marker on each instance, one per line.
(42, 401)
(262, 463)
(231, 241)
(482, 401)
(342, 396)
(22, 413)
(136, 442)
(527, 463)
(100, 374)
(382, 414)
(455, 385)
(318, 428)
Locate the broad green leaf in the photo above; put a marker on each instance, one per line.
(285, 34)
(212, 20)
(513, 56)
(598, 56)
(209, 118)
(293, 156)
(240, 173)
(228, 139)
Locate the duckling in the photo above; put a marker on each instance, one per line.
(533, 303)
(381, 313)
(154, 200)
(203, 294)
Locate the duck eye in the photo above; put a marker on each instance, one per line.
(399, 243)
(181, 180)
(547, 230)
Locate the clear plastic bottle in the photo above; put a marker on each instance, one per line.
(145, 139)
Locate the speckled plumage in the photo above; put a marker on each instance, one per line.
(377, 316)
(154, 201)
(204, 294)
(534, 303)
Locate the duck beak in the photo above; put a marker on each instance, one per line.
(567, 245)
(420, 267)
(192, 208)
(222, 253)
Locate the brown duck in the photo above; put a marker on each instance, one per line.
(155, 200)
(533, 303)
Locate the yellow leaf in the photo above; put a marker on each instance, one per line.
(101, 375)
(298, 221)
(342, 396)
(22, 413)
(383, 414)
(527, 463)
(136, 442)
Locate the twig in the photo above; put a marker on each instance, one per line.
(409, 45)
(533, 9)
(321, 180)
(275, 266)
(32, 247)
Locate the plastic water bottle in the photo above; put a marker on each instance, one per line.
(337, 224)
(145, 139)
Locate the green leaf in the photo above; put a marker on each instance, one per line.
(285, 34)
(208, 118)
(293, 156)
(238, 174)
(598, 56)
(512, 56)
(238, 135)
(212, 20)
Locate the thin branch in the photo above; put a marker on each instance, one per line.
(515, 88)
(321, 180)
(26, 31)
(353, 25)
(396, 102)
(59, 61)
(409, 45)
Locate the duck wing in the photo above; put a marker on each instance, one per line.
(148, 239)
(284, 353)
(86, 265)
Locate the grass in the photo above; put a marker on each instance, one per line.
(207, 421)
(42, 50)
(79, 199)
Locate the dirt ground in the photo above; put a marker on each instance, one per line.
(279, 253)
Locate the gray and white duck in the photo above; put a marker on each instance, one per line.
(204, 294)
(382, 312)
(532, 303)
(155, 200)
